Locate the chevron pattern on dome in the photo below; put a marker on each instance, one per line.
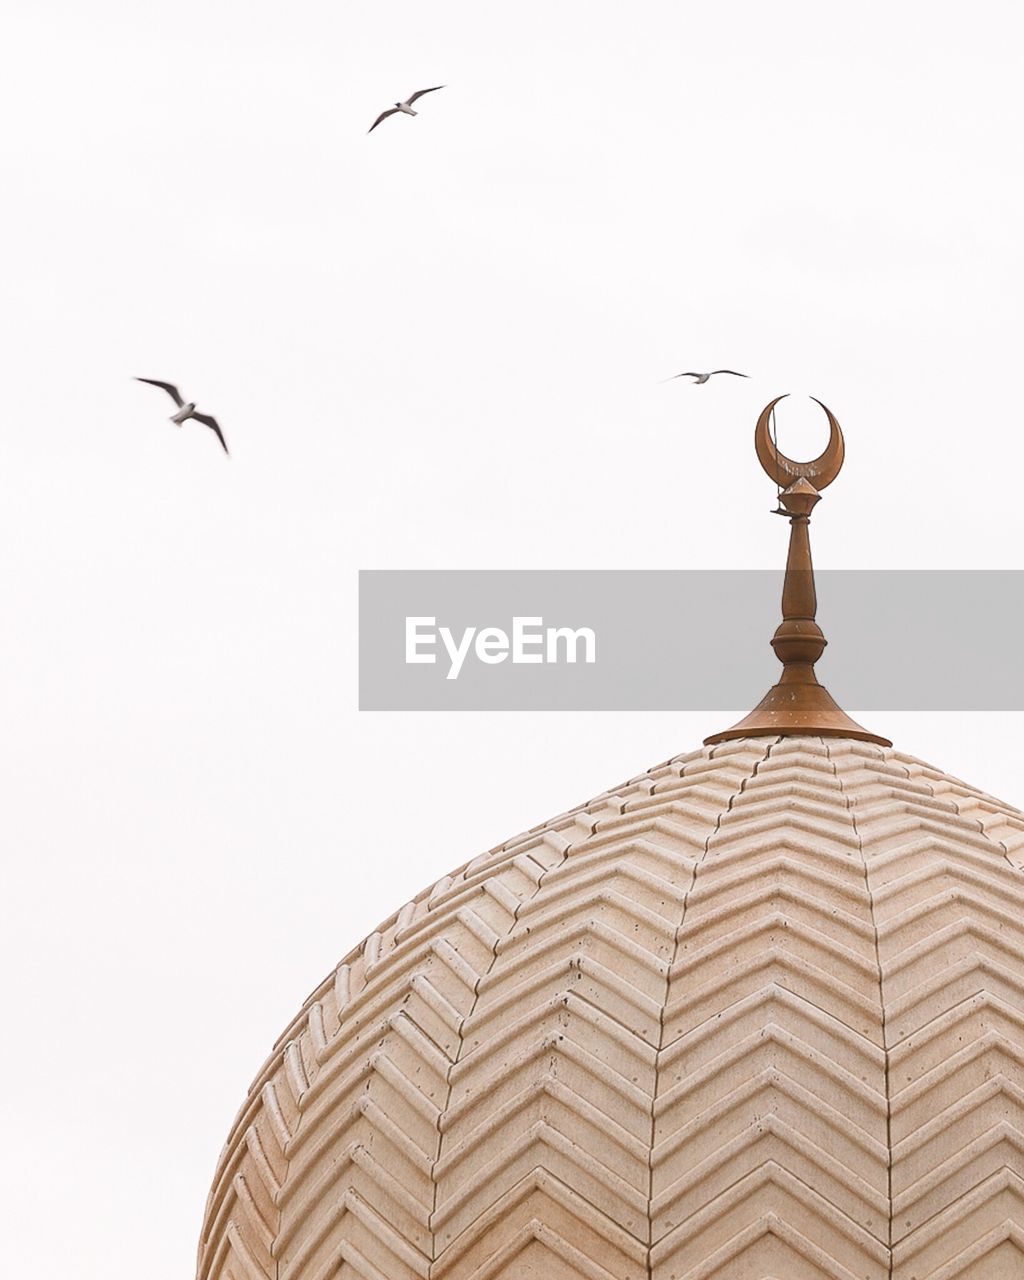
(757, 1013)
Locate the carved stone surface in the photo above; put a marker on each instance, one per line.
(757, 1013)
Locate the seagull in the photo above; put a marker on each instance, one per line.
(186, 411)
(700, 378)
(405, 106)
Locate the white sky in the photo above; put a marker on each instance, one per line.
(437, 346)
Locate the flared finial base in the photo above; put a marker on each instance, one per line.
(798, 710)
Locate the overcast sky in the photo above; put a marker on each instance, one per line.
(438, 346)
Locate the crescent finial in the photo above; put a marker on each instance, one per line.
(798, 705)
(820, 472)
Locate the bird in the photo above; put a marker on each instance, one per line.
(700, 378)
(405, 107)
(186, 411)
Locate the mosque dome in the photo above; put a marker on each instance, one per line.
(755, 1014)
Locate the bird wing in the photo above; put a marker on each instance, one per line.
(681, 375)
(732, 371)
(420, 92)
(169, 387)
(383, 116)
(214, 426)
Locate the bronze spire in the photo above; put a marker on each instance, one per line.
(798, 704)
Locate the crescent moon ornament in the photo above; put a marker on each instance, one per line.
(820, 472)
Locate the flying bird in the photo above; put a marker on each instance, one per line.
(186, 411)
(700, 378)
(405, 107)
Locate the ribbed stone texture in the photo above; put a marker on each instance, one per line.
(757, 1013)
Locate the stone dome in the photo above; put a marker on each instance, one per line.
(757, 1013)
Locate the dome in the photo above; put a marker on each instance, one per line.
(759, 1012)
(756, 1014)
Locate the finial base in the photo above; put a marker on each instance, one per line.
(798, 710)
